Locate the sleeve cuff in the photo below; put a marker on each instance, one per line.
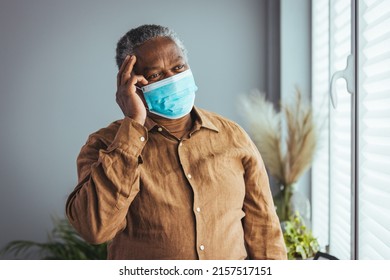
(131, 137)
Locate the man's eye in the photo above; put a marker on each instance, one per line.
(179, 67)
(154, 76)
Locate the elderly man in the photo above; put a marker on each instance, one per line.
(171, 181)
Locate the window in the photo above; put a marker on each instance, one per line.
(351, 174)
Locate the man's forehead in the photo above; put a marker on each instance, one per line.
(151, 53)
(159, 44)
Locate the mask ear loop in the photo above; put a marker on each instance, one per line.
(143, 97)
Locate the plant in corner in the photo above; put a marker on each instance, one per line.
(64, 243)
(300, 242)
(287, 141)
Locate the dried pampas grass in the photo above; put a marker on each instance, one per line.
(286, 155)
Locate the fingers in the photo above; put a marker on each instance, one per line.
(118, 76)
(135, 79)
(128, 68)
(126, 75)
(124, 63)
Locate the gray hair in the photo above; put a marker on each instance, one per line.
(137, 36)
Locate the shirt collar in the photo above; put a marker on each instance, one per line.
(200, 119)
(150, 124)
(203, 120)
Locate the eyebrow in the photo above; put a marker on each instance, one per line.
(150, 68)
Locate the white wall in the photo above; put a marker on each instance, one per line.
(58, 78)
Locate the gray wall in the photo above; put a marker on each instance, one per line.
(58, 78)
(295, 59)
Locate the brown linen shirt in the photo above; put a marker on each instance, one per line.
(153, 196)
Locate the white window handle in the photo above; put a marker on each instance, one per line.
(348, 74)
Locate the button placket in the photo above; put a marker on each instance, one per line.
(199, 231)
(188, 175)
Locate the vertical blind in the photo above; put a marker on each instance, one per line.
(332, 197)
(374, 129)
(320, 100)
(340, 134)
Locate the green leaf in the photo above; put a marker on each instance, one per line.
(300, 242)
(63, 243)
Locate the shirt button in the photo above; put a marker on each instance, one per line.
(189, 176)
(197, 209)
(142, 139)
(201, 247)
(159, 129)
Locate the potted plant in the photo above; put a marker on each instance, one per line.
(63, 243)
(287, 141)
(300, 242)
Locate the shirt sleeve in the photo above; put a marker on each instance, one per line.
(262, 231)
(108, 183)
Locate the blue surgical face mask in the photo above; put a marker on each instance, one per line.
(173, 97)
